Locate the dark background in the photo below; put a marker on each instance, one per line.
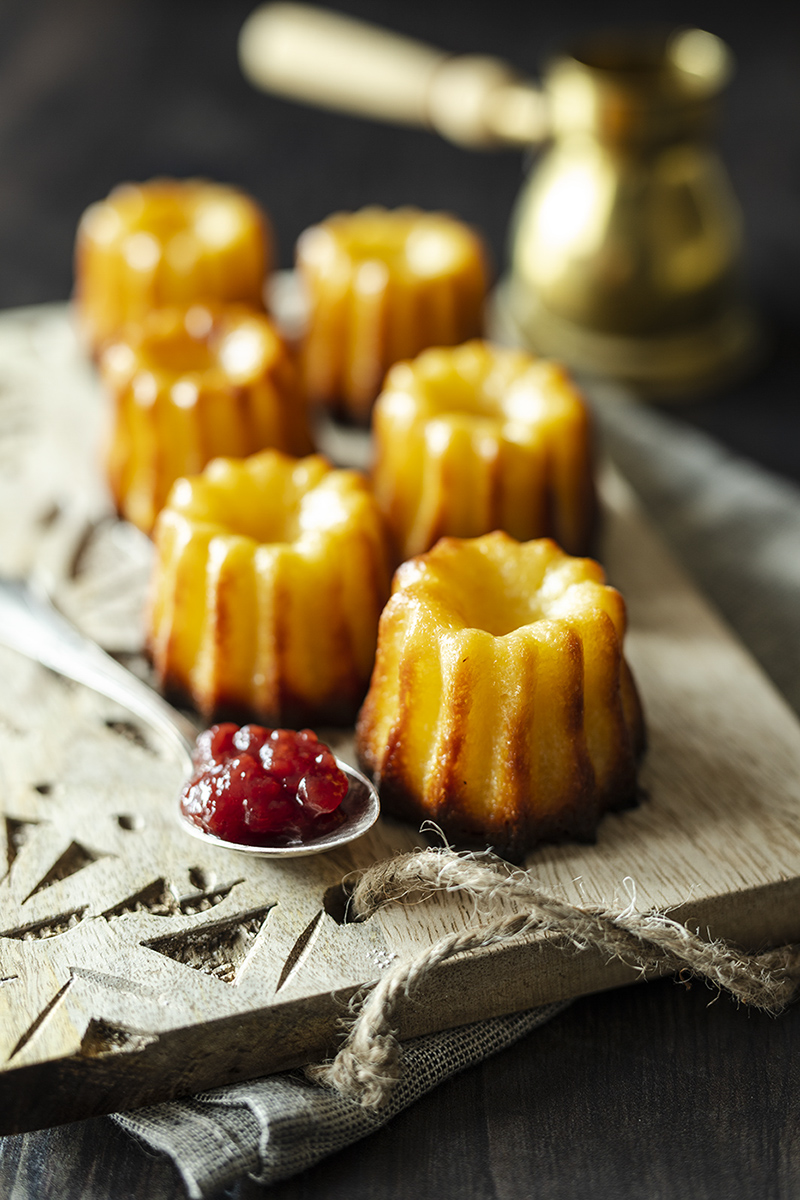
(93, 92)
(643, 1093)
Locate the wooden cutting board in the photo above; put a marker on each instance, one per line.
(138, 964)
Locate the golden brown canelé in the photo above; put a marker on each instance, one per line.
(188, 385)
(501, 706)
(480, 437)
(166, 242)
(381, 286)
(269, 579)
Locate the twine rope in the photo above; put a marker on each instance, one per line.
(367, 1067)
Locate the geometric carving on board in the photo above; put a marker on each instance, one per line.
(336, 902)
(49, 927)
(202, 901)
(42, 1017)
(219, 950)
(17, 834)
(159, 900)
(156, 898)
(298, 950)
(74, 859)
(104, 1037)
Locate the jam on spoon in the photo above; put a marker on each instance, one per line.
(257, 786)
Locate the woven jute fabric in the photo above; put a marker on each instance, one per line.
(736, 530)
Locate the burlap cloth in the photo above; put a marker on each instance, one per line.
(736, 529)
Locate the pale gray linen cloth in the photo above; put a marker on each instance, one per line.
(736, 528)
(280, 1125)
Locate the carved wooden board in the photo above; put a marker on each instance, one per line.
(136, 963)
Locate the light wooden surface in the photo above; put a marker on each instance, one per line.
(136, 963)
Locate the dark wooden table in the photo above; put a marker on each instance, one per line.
(649, 1092)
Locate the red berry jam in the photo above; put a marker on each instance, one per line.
(262, 786)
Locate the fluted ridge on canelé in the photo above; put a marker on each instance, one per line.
(270, 576)
(501, 705)
(481, 437)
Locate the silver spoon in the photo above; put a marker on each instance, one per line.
(30, 625)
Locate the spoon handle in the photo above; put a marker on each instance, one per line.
(30, 625)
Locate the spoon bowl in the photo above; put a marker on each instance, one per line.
(31, 625)
(361, 808)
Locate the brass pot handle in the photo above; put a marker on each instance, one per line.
(323, 58)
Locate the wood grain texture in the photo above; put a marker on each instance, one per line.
(137, 964)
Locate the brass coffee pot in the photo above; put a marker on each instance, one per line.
(626, 239)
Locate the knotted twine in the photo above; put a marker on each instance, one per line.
(367, 1066)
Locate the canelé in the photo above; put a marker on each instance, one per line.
(188, 385)
(501, 706)
(269, 579)
(166, 242)
(479, 437)
(381, 286)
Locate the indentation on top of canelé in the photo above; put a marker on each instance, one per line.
(465, 582)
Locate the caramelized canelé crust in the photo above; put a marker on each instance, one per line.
(501, 706)
(480, 437)
(269, 579)
(382, 286)
(166, 242)
(188, 385)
